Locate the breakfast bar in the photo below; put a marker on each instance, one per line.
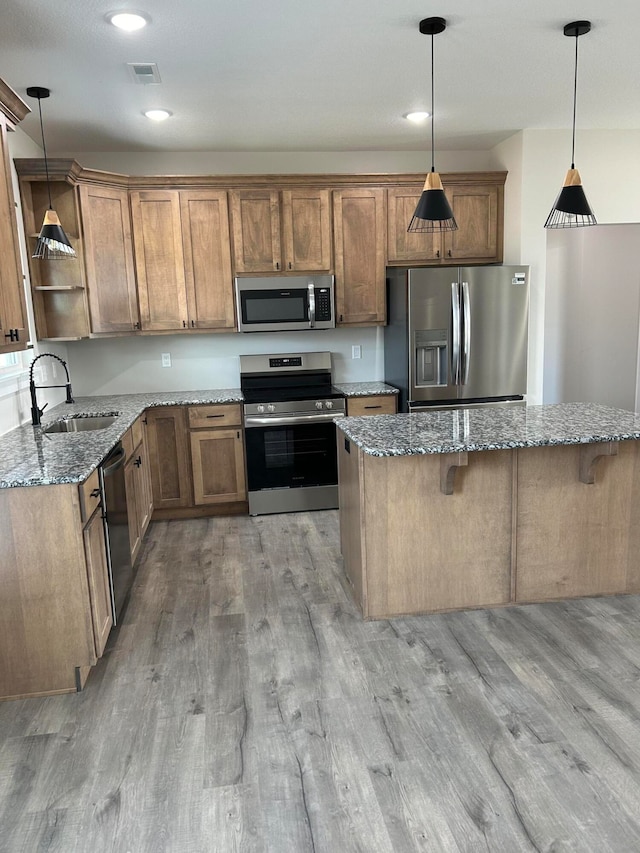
(483, 507)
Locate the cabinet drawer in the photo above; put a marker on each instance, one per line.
(89, 495)
(383, 404)
(209, 417)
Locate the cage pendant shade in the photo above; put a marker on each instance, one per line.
(571, 208)
(433, 212)
(52, 243)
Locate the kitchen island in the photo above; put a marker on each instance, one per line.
(490, 506)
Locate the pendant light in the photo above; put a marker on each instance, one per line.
(571, 209)
(433, 212)
(52, 244)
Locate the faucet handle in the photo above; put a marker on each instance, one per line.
(41, 410)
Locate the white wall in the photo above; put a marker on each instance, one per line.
(15, 403)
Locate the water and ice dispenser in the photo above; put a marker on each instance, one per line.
(431, 350)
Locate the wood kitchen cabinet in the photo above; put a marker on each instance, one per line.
(281, 230)
(183, 259)
(376, 404)
(217, 454)
(169, 457)
(360, 254)
(108, 253)
(14, 333)
(55, 608)
(137, 474)
(477, 203)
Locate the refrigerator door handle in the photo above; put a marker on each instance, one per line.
(466, 332)
(455, 333)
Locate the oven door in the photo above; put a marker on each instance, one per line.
(291, 463)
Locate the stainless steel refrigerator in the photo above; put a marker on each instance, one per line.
(457, 336)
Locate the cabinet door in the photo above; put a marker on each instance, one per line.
(207, 259)
(113, 305)
(218, 466)
(360, 247)
(159, 260)
(478, 212)
(402, 246)
(306, 230)
(13, 315)
(144, 496)
(98, 576)
(255, 219)
(169, 457)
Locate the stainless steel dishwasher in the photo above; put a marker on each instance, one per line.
(116, 522)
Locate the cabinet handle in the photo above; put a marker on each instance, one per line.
(290, 265)
(193, 324)
(374, 407)
(214, 416)
(13, 334)
(94, 493)
(277, 265)
(136, 325)
(184, 324)
(437, 253)
(449, 252)
(138, 462)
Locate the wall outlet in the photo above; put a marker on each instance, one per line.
(356, 351)
(166, 359)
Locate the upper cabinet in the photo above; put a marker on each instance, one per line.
(359, 228)
(111, 285)
(14, 332)
(281, 230)
(477, 202)
(183, 259)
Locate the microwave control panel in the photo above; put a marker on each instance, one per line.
(323, 304)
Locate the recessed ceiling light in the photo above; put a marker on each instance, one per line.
(158, 115)
(128, 21)
(417, 117)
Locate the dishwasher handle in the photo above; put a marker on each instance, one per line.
(114, 461)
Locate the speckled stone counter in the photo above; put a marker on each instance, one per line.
(31, 457)
(486, 507)
(489, 428)
(365, 389)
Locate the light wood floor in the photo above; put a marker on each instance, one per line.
(243, 705)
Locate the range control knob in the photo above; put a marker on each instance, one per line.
(329, 404)
(319, 404)
(271, 407)
(261, 408)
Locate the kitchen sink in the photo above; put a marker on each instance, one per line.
(79, 423)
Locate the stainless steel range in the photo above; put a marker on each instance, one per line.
(289, 411)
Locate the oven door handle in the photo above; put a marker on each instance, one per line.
(288, 420)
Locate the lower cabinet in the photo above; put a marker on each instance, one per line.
(378, 404)
(217, 454)
(197, 460)
(137, 475)
(98, 577)
(55, 608)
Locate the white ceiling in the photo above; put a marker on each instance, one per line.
(286, 75)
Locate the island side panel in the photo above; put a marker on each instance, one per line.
(427, 551)
(45, 622)
(574, 538)
(350, 499)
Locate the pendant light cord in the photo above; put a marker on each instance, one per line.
(44, 148)
(432, 99)
(575, 96)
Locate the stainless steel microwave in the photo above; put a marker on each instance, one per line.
(280, 304)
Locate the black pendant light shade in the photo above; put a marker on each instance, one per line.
(433, 212)
(52, 243)
(571, 209)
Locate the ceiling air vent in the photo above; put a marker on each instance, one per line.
(144, 72)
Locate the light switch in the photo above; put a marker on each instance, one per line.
(166, 359)
(356, 351)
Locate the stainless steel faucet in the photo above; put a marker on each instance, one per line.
(35, 411)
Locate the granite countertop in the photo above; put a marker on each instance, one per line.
(31, 457)
(489, 428)
(364, 389)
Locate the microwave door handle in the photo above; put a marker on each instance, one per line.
(466, 331)
(311, 300)
(455, 333)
